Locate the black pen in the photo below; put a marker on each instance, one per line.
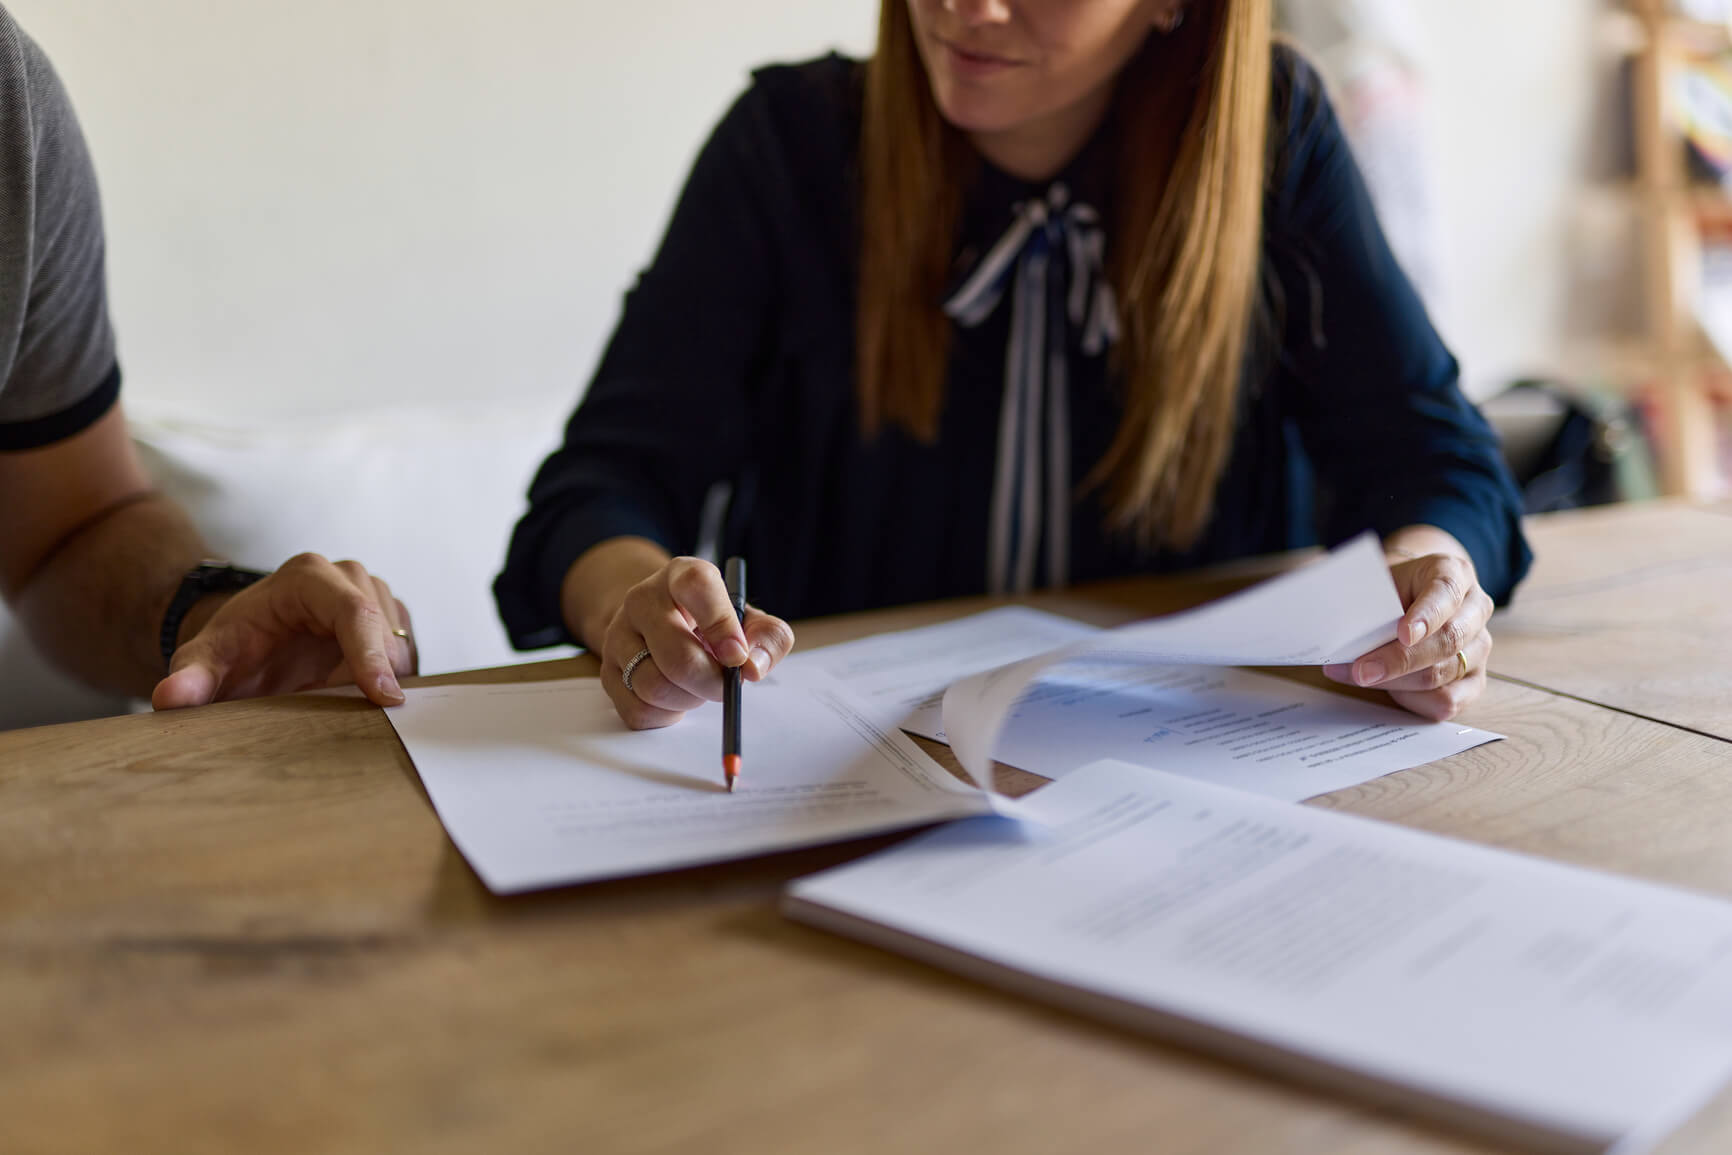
(734, 574)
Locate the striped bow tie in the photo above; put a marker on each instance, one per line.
(1047, 301)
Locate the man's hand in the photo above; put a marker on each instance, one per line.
(90, 558)
(313, 623)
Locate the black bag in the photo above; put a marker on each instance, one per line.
(1569, 449)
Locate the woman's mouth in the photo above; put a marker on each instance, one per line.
(974, 64)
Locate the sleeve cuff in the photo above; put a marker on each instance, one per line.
(527, 590)
(1495, 542)
(41, 431)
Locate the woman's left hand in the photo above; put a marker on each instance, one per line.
(1436, 664)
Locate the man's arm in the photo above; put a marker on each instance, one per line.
(90, 557)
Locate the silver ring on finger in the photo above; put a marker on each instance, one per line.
(631, 668)
(1461, 659)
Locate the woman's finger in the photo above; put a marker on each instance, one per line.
(633, 710)
(1395, 660)
(1476, 653)
(771, 640)
(1442, 585)
(648, 683)
(1442, 704)
(680, 654)
(696, 586)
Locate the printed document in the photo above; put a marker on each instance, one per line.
(1333, 610)
(1542, 1003)
(1231, 726)
(540, 784)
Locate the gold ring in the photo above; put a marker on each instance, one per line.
(1461, 656)
(404, 634)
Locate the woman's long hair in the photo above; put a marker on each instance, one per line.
(1184, 253)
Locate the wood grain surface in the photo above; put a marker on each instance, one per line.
(241, 928)
(1630, 607)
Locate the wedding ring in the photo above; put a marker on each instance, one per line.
(404, 634)
(631, 667)
(1461, 656)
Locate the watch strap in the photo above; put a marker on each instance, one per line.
(209, 577)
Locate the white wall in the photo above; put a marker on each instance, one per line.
(331, 203)
(1510, 104)
(320, 204)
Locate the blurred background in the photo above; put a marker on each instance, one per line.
(363, 253)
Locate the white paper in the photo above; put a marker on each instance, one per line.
(909, 670)
(1333, 610)
(541, 784)
(1557, 1000)
(1229, 726)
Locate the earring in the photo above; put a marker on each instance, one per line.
(1171, 19)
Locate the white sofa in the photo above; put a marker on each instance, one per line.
(425, 498)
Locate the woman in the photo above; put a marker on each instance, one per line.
(1047, 291)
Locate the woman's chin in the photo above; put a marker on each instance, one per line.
(975, 116)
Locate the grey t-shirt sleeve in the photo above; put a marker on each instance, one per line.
(57, 363)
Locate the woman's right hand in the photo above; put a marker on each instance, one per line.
(682, 617)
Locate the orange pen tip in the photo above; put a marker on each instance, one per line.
(731, 765)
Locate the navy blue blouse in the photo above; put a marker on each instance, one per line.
(734, 363)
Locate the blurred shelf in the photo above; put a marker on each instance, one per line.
(1670, 366)
(1623, 31)
(1706, 201)
(1627, 364)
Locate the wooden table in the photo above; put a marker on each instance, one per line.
(1629, 607)
(242, 929)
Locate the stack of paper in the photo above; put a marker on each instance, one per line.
(1548, 1005)
(542, 785)
(1540, 1003)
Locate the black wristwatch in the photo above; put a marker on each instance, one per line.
(208, 577)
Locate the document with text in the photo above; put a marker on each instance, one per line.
(1543, 1004)
(540, 784)
(1237, 727)
(1229, 726)
(1333, 610)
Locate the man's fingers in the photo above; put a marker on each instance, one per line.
(408, 624)
(770, 640)
(696, 587)
(340, 598)
(194, 685)
(203, 666)
(403, 657)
